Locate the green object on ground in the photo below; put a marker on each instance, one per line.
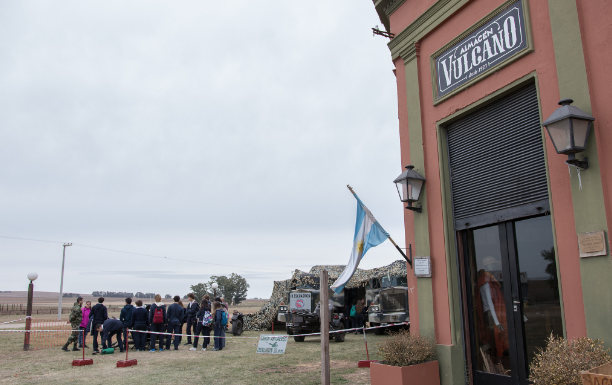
(108, 351)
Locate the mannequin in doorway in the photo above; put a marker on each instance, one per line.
(491, 310)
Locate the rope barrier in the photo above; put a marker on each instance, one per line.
(193, 335)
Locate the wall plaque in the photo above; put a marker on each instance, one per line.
(495, 42)
(422, 267)
(592, 244)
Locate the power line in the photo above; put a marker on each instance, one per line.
(144, 255)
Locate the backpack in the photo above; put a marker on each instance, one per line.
(207, 320)
(158, 316)
(223, 318)
(353, 312)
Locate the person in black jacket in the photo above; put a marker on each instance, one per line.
(158, 320)
(175, 315)
(98, 315)
(126, 316)
(140, 321)
(202, 325)
(190, 317)
(111, 327)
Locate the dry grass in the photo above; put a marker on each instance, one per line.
(236, 364)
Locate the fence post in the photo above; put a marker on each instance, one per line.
(324, 290)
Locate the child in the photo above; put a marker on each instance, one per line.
(204, 321)
(158, 321)
(140, 321)
(217, 315)
(84, 326)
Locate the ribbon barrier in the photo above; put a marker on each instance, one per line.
(235, 337)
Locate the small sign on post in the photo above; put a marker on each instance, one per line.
(422, 267)
(592, 244)
(269, 344)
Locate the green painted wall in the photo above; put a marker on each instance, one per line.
(588, 201)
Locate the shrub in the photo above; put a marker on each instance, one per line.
(404, 349)
(561, 362)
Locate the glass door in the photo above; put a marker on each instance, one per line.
(512, 297)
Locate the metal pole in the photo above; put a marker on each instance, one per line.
(26, 337)
(59, 309)
(324, 290)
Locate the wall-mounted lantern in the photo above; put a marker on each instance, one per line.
(411, 184)
(569, 128)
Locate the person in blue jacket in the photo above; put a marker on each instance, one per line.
(126, 317)
(176, 313)
(140, 321)
(218, 311)
(111, 327)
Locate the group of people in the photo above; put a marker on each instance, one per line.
(141, 321)
(356, 314)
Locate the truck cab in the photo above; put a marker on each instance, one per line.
(387, 299)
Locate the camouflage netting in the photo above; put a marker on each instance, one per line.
(262, 319)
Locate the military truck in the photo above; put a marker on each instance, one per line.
(302, 314)
(387, 298)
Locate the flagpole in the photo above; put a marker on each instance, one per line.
(389, 237)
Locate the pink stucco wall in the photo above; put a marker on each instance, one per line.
(407, 13)
(542, 62)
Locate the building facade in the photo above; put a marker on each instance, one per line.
(517, 238)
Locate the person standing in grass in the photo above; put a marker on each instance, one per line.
(140, 321)
(220, 320)
(98, 315)
(175, 315)
(158, 321)
(126, 317)
(203, 321)
(190, 316)
(84, 326)
(359, 314)
(353, 316)
(75, 321)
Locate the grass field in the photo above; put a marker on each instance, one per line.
(238, 363)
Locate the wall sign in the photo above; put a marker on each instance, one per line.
(500, 39)
(592, 244)
(269, 344)
(300, 301)
(422, 267)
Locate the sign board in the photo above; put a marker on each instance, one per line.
(300, 301)
(592, 244)
(498, 40)
(422, 267)
(271, 344)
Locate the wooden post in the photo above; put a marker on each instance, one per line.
(324, 290)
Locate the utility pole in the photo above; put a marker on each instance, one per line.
(325, 316)
(59, 309)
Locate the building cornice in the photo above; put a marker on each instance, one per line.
(393, 6)
(402, 45)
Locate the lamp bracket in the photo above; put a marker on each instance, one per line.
(581, 164)
(416, 209)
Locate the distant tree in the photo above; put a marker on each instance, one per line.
(200, 290)
(168, 296)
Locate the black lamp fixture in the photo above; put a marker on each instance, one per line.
(569, 128)
(411, 183)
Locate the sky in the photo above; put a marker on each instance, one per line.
(220, 134)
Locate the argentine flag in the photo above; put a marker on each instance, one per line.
(368, 233)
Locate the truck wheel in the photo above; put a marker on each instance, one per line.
(237, 327)
(339, 337)
(289, 332)
(299, 338)
(379, 331)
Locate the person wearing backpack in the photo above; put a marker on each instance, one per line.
(97, 315)
(190, 317)
(175, 315)
(204, 322)
(158, 320)
(220, 320)
(126, 317)
(140, 321)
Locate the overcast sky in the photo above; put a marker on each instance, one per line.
(222, 133)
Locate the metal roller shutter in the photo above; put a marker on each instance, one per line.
(497, 162)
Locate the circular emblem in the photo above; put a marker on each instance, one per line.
(299, 303)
